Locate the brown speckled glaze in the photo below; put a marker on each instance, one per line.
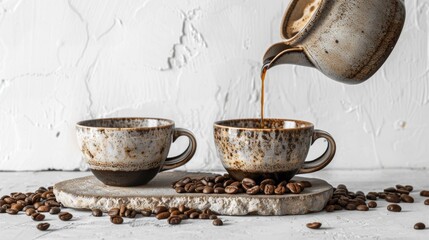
(277, 151)
(130, 151)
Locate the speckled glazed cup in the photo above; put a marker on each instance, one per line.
(131, 151)
(276, 151)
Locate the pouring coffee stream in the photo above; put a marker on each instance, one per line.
(348, 41)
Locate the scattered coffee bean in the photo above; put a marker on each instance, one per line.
(419, 226)
(372, 204)
(2, 210)
(390, 190)
(194, 215)
(330, 208)
(314, 225)
(163, 215)
(11, 211)
(55, 210)
(393, 198)
(409, 188)
(160, 209)
(213, 216)
(424, 193)
(174, 220)
(371, 196)
(44, 208)
(130, 213)
(116, 220)
(217, 222)
(219, 190)
(407, 198)
(269, 189)
(181, 190)
(29, 211)
(97, 212)
(146, 212)
(394, 208)
(204, 216)
(113, 212)
(362, 208)
(351, 206)
(305, 184)
(43, 226)
(65, 216)
(37, 216)
(426, 202)
(122, 210)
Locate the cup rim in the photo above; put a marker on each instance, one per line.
(220, 124)
(83, 124)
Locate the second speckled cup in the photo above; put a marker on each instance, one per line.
(277, 151)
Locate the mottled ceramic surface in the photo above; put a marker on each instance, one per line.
(282, 146)
(131, 144)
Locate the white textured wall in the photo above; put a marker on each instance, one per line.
(194, 61)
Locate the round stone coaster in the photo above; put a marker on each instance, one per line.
(89, 193)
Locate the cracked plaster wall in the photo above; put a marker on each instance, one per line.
(195, 62)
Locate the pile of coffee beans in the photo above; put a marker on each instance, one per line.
(221, 184)
(35, 205)
(174, 215)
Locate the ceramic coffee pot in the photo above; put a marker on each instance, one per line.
(346, 40)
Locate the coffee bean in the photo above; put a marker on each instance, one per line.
(17, 206)
(116, 220)
(402, 191)
(28, 207)
(204, 216)
(382, 195)
(343, 202)
(43, 226)
(113, 212)
(180, 190)
(11, 211)
(219, 190)
(130, 213)
(394, 208)
(2, 210)
(44, 208)
(190, 211)
(183, 216)
(175, 213)
(208, 190)
(162, 215)
(189, 188)
(231, 189)
(305, 184)
(248, 183)
(253, 190)
(174, 220)
(213, 216)
(217, 222)
(160, 209)
(227, 183)
(9, 200)
(426, 202)
(407, 198)
(390, 190)
(362, 208)
(194, 215)
(186, 180)
(179, 184)
(393, 198)
(314, 225)
(351, 206)
(65, 216)
(146, 212)
(37, 216)
(419, 226)
(399, 186)
(30, 211)
(199, 189)
(294, 188)
(409, 188)
(97, 212)
(37, 205)
(372, 204)
(269, 189)
(341, 186)
(371, 197)
(122, 210)
(219, 179)
(330, 208)
(280, 190)
(55, 210)
(182, 208)
(338, 207)
(424, 193)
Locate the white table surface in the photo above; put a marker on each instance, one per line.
(375, 224)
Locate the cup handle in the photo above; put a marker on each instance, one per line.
(322, 161)
(184, 157)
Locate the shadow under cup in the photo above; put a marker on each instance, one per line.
(277, 151)
(130, 151)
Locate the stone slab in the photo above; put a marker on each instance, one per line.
(88, 193)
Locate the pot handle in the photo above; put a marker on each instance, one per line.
(184, 157)
(322, 161)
